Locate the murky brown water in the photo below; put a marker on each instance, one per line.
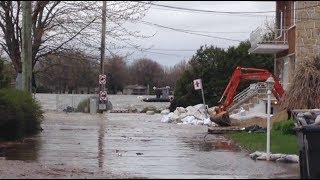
(140, 145)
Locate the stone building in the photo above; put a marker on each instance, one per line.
(296, 37)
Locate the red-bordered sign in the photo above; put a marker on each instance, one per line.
(103, 96)
(197, 84)
(102, 79)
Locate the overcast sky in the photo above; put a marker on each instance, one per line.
(230, 26)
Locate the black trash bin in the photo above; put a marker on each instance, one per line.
(309, 143)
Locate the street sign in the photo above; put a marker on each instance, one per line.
(197, 84)
(102, 79)
(103, 96)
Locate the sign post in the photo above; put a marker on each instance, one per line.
(103, 93)
(198, 85)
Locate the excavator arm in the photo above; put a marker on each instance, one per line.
(247, 74)
(222, 116)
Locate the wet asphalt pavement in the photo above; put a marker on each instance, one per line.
(135, 146)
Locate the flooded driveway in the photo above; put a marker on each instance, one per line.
(131, 145)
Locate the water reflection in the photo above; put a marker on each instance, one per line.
(101, 134)
(212, 143)
(28, 150)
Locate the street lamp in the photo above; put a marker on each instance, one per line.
(270, 83)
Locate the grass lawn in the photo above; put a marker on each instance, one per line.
(280, 143)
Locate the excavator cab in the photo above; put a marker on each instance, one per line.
(221, 116)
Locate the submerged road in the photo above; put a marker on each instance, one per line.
(78, 145)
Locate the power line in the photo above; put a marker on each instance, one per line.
(209, 11)
(242, 15)
(161, 53)
(190, 32)
(223, 12)
(157, 49)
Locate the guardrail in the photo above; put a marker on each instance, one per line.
(268, 36)
(249, 92)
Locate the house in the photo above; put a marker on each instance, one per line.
(293, 37)
(297, 37)
(135, 90)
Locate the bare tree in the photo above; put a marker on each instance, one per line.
(117, 70)
(146, 72)
(172, 74)
(67, 71)
(63, 25)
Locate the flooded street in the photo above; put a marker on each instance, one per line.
(118, 145)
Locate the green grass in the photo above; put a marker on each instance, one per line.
(280, 143)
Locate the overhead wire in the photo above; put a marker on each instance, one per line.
(189, 31)
(224, 12)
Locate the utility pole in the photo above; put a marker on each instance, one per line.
(103, 47)
(103, 36)
(26, 49)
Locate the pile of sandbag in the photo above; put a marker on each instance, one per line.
(193, 115)
(275, 157)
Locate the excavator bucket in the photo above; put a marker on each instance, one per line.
(222, 119)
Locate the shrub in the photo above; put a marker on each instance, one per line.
(4, 79)
(20, 114)
(285, 127)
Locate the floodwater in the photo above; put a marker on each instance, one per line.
(138, 145)
(58, 102)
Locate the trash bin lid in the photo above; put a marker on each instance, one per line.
(308, 128)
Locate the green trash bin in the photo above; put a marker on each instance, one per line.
(309, 142)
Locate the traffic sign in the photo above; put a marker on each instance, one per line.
(197, 84)
(103, 96)
(102, 79)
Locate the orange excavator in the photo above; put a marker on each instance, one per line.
(222, 116)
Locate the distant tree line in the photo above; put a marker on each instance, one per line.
(74, 71)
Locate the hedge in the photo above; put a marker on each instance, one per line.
(20, 115)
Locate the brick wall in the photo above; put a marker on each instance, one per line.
(307, 30)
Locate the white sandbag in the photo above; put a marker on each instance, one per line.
(181, 110)
(274, 157)
(199, 107)
(255, 154)
(289, 159)
(242, 111)
(150, 112)
(199, 115)
(263, 156)
(207, 122)
(166, 119)
(174, 117)
(176, 112)
(199, 122)
(165, 112)
(189, 120)
(191, 110)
